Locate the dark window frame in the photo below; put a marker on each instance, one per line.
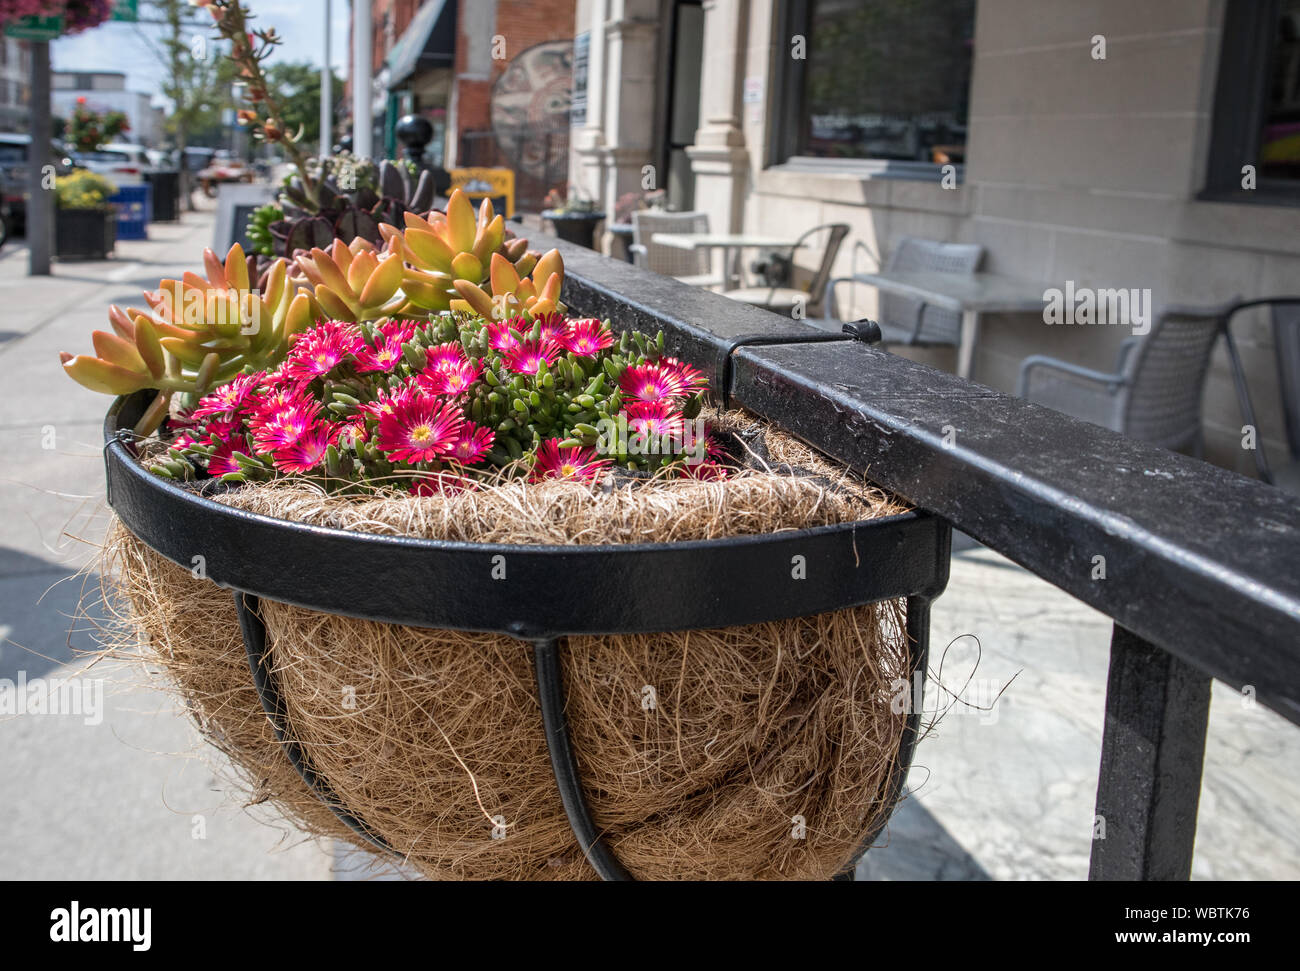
(1241, 91)
(790, 102)
(667, 88)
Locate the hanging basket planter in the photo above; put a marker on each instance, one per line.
(723, 706)
(491, 589)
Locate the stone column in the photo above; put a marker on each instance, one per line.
(588, 139)
(718, 157)
(632, 41)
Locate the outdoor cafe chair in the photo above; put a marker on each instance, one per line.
(1154, 393)
(910, 320)
(784, 300)
(693, 267)
(1286, 344)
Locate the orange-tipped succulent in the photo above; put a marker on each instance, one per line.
(200, 332)
(442, 250)
(354, 282)
(196, 334)
(512, 293)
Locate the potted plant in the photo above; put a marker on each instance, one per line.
(510, 598)
(573, 218)
(85, 225)
(446, 505)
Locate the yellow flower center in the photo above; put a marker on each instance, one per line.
(421, 433)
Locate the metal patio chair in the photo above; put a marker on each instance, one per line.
(910, 320)
(694, 267)
(783, 300)
(1286, 343)
(1154, 393)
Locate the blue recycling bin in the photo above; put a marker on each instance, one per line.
(132, 203)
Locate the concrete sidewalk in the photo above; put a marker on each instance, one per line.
(113, 799)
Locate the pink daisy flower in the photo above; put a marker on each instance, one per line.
(284, 424)
(473, 444)
(527, 358)
(499, 336)
(553, 462)
(398, 330)
(586, 337)
(419, 428)
(453, 379)
(657, 418)
(444, 355)
(383, 403)
(230, 399)
(220, 429)
(306, 451)
(383, 357)
(552, 326)
(222, 459)
(692, 379)
(320, 350)
(652, 382)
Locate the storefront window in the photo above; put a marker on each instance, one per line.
(1255, 141)
(1279, 136)
(886, 79)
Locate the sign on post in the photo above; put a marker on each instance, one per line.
(128, 10)
(495, 184)
(35, 28)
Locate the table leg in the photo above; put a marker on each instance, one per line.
(970, 321)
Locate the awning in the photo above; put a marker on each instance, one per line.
(429, 41)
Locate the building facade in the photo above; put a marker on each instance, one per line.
(1097, 143)
(15, 80)
(492, 76)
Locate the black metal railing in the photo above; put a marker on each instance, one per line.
(1201, 566)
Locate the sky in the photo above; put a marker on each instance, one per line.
(118, 47)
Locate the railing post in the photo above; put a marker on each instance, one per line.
(1152, 749)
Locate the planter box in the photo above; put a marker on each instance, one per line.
(585, 603)
(86, 234)
(579, 228)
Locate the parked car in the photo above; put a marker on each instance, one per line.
(224, 168)
(197, 158)
(122, 163)
(13, 174)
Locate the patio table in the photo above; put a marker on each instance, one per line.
(971, 294)
(729, 243)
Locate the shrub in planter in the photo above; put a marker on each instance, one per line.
(85, 225)
(574, 219)
(369, 478)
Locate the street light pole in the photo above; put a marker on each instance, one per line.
(361, 79)
(327, 91)
(40, 194)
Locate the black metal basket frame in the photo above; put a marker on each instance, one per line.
(549, 593)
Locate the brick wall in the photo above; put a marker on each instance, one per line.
(490, 36)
